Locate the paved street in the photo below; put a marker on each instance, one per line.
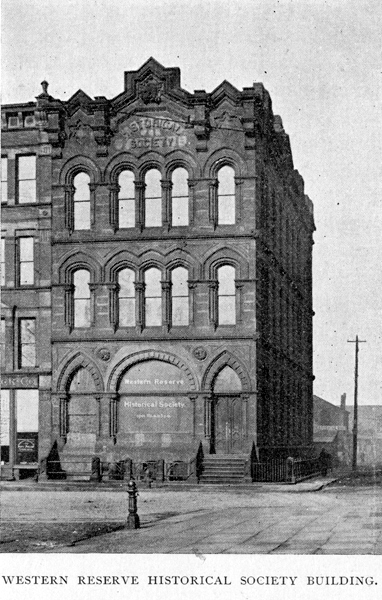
(260, 519)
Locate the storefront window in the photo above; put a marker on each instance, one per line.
(4, 426)
(26, 426)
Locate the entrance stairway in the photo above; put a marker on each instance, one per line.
(76, 456)
(223, 468)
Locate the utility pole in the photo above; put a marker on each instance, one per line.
(355, 419)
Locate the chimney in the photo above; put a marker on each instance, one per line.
(343, 401)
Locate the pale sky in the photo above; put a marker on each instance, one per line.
(321, 63)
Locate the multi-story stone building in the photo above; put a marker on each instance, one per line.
(166, 306)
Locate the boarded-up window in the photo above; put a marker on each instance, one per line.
(26, 179)
(226, 196)
(81, 298)
(179, 197)
(153, 297)
(81, 201)
(126, 199)
(226, 296)
(179, 290)
(126, 280)
(27, 345)
(153, 199)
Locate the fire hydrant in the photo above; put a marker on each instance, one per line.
(133, 518)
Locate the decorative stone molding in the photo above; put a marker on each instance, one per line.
(217, 364)
(77, 361)
(127, 362)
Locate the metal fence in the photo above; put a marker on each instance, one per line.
(289, 470)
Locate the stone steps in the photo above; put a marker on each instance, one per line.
(223, 469)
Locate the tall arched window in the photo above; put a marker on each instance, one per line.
(226, 295)
(179, 197)
(226, 196)
(153, 199)
(179, 296)
(81, 298)
(153, 298)
(81, 201)
(126, 306)
(126, 199)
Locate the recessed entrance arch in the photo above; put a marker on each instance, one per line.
(227, 413)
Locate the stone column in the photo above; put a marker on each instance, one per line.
(208, 420)
(213, 202)
(113, 304)
(139, 305)
(166, 304)
(140, 187)
(69, 208)
(166, 203)
(113, 206)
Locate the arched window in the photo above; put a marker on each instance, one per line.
(81, 201)
(226, 295)
(126, 199)
(179, 295)
(126, 306)
(81, 298)
(226, 196)
(153, 199)
(179, 197)
(153, 298)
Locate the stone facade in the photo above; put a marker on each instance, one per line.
(224, 364)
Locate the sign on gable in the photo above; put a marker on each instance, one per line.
(149, 133)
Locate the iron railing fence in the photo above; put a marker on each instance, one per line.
(288, 470)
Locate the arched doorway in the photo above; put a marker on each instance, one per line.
(82, 407)
(227, 415)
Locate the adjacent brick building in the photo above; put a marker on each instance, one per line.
(171, 303)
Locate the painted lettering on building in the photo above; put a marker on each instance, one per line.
(159, 133)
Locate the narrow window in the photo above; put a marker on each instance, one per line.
(126, 200)
(179, 197)
(2, 344)
(153, 298)
(226, 296)
(26, 261)
(2, 274)
(4, 425)
(81, 297)
(27, 345)
(126, 279)
(26, 179)
(226, 196)
(153, 199)
(4, 179)
(81, 201)
(179, 290)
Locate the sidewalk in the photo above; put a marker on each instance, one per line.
(309, 485)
